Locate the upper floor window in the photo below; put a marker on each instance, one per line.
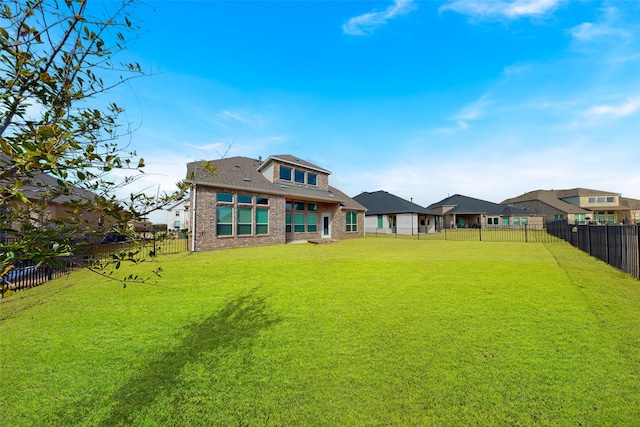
(312, 178)
(610, 200)
(600, 199)
(592, 199)
(299, 176)
(285, 173)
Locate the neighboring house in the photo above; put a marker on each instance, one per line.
(41, 185)
(579, 206)
(239, 202)
(466, 212)
(388, 213)
(178, 216)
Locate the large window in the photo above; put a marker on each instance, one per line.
(243, 218)
(285, 173)
(262, 221)
(304, 217)
(505, 221)
(244, 221)
(312, 222)
(379, 221)
(225, 221)
(352, 221)
(298, 222)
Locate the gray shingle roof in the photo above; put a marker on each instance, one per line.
(242, 174)
(383, 203)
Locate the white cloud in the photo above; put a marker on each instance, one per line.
(501, 9)
(608, 26)
(365, 24)
(631, 106)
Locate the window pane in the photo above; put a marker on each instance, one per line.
(244, 215)
(505, 221)
(244, 229)
(224, 229)
(298, 220)
(298, 206)
(311, 178)
(610, 199)
(287, 206)
(299, 176)
(288, 222)
(176, 224)
(245, 199)
(262, 216)
(312, 207)
(262, 229)
(523, 221)
(244, 221)
(224, 197)
(379, 221)
(312, 222)
(225, 214)
(262, 201)
(285, 173)
(225, 218)
(516, 221)
(600, 199)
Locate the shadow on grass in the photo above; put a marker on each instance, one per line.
(234, 327)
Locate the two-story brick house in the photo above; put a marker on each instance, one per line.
(240, 202)
(579, 206)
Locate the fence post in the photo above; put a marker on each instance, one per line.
(606, 242)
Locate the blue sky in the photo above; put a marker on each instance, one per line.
(424, 99)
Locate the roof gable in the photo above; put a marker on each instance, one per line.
(293, 161)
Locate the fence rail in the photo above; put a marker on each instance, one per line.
(27, 274)
(525, 233)
(617, 245)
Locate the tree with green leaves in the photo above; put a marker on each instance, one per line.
(60, 139)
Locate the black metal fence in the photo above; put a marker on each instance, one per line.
(525, 233)
(27, 274)
(617, 245)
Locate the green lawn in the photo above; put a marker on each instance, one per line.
(368, 332)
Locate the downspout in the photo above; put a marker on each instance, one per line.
(193, 218)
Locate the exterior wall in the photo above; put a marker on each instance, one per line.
(339, 225)
(206, 222)
(406, 224)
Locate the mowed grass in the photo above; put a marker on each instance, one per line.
(367, 332)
